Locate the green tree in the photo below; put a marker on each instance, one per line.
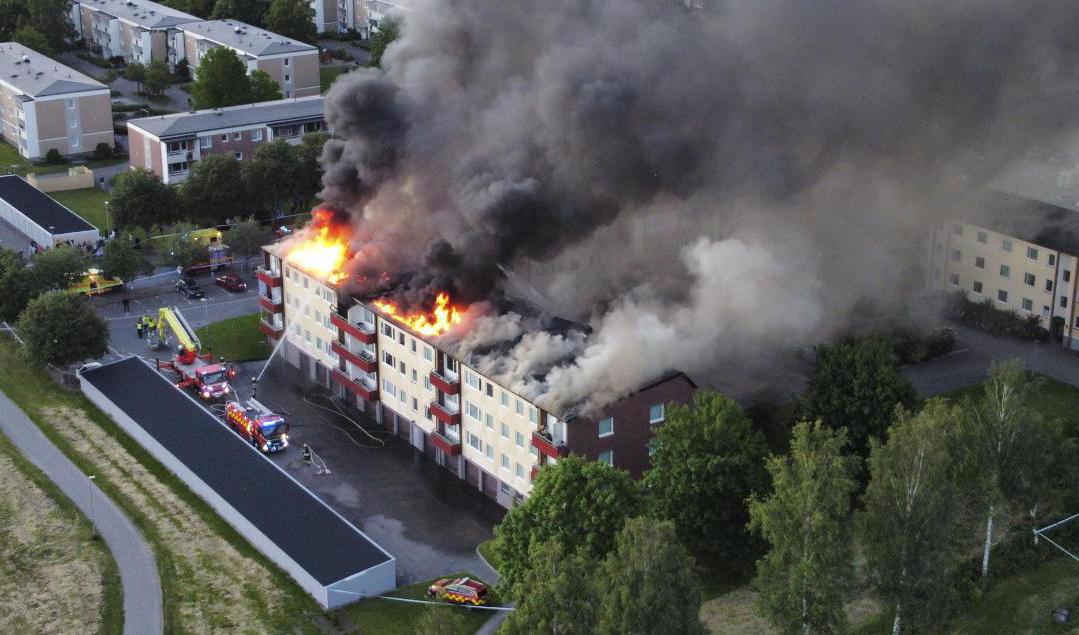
(578, 503)
(442, 620)
(246, 238)
(59, 267)
(135, 72)
(140, 199)
(806, 576)
(51, 19)
(121, 260)
(61, 328)
(708, 460)
(17, 282)
(31, 38)
(292, 18)
(13, 13)
(909, 528)
(184, 251)
(221, 80)
(262, 87)
(308, 168)
(251, 12)
(387, 32)
(856, 385)
(648, 584)
(214, 190)
(271, 175)
(158, 78)
(560, 597)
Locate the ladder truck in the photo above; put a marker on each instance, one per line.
(257, 425)
(195, 370)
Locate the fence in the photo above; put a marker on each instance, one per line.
(79, 177)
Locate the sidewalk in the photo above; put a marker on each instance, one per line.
(134, 559)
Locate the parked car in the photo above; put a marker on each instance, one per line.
(189, 288)
(283, 231)
(231, 282)
(459, 591)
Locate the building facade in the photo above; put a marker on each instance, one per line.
(340, 16)
(991, 256)
(136, 31)
(170, 145)
(484, 433)
(45, 105)
(290, 63)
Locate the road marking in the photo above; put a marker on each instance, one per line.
(133, 317)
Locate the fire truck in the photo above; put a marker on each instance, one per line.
(459, 591)
(194, 370)
(257, 425)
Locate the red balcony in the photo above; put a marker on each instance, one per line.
(445, 384)
(548, 447)
(270, 306)
(361, 333)
(535, 472)
(368, 394)
(444, 414)
(446, 444)
(361, 362)
(270, 330)
(268, 278)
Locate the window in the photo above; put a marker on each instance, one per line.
(413, 342)
(1002, 295)
(656, 413)
(1028, 279)
(236, 136)
(532, 415)
(977, 287)
(206, 142)
(178, 168)
(1052, 260)
(490, 390)
(606, 457)
(1048, 285)
(388, 359)
(979, 262)
(1032, 253)
(474, 411)
(176, 146)
(1045, 310)
(389, 388)
(983, 237)
(387, 330)
(957, 230)
(70, 102)
(404, 397)
(224, 138)
(505, 431)
(472, 380)
(1006, 245)
(957, 255)
(606, 427)
(520, 471)
(307, 335)
(490, 452)
(1077, 321)
(401, 338)
(256, 135)
(451, 364)
(519, 439)
(520, 407)
(953, 278)
(286, 61)
(474, 442)
(318, 343)
(505, 398)
(1005, 271)
(1063, 302)
(239, 156)
(505, 462)
(1028, 304)
(401, 368)
(415, 377)
(288, 78)
(490, 421)
(1066, 275)
(427, 353)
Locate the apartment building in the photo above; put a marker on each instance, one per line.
(375, 11)
(338, 16)
(138, 31)
(171, 145)
(290, 63)
(480, 430)
(45, 105)
(1019, 252)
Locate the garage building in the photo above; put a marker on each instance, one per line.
(39, 217)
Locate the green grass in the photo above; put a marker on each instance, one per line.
(1022, 603)
(327, 75)
(235, 339)
(11, 161)
(487, 550)
(88, 203)
(1052, 399)
(386, 616)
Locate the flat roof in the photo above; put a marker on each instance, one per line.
(1050, 224)
(40, 207)
(37, 75)
(319, 540)
(266, 112)
(246, 38)
(141, 12)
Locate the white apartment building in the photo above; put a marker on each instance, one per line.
(136, 30)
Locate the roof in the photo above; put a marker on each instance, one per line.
(266, 112)
(141, 12)
(41, 76)
(319, 540)
(40, 207)
(246, 38)
(1047, 224)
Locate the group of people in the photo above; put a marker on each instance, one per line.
(145, 325)
(91, 249)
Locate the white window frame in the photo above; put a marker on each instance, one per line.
(599, 427)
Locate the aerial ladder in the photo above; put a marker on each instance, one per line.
(193, 368)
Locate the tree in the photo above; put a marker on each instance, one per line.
(262, 87)
(31, 38)
(158, 78)
(806, 576)
(908, 528)
(246, 238)
(59, 267)
(60, 328)
(17, 282)
(294, 19)
(140, 199)
(271, 174)
(121, 260)
(856, 385)
(50, 19)
(214, 190)
(252, 12)
(13, 13)
(442, 620)
(647, 584)
(560, 597)
(184, 251)
(103, 151)
(135, 72)
(221, 80)
(708, 460)
(308, 170)
(578, 503)
(387, 32)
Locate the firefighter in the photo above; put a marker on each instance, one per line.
(139, 327)
(306, 454)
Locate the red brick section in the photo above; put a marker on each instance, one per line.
(632, 430)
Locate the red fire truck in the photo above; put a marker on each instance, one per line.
(257, 425)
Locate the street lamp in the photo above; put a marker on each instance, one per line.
(108, 227)
(205, 310)
(93, 524)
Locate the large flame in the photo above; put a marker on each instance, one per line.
(323, 249)
(441, 319)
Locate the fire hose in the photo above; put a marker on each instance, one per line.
(339, 411)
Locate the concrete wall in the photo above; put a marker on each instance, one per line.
(76, 178)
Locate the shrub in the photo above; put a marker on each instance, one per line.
(103, 151)
(985, 316)
(120, 129)
(53, 157)
(116, 61)
(342, 54)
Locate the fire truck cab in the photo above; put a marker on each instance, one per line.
(257, 425)
(459, 591)
(194, 370)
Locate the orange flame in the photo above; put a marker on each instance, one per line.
(323, 253)
(441, 319)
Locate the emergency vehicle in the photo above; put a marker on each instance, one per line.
(459, 591)
(195, 370)
(257, 425)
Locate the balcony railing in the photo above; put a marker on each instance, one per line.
(362, 360)
(269, 278)
(270, 305)
(445, 414)
(271, 330)
(361, 332)
(448, 444)
(361, 388)
(546, 445)
(446, 384)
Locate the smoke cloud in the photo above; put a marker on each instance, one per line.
(702, 187)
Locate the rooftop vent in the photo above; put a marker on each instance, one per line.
(26, 58)
(236, 29)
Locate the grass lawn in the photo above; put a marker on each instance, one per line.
(11, 161)
(1053, 399)
(88, 203)
(487, 550)
(1022, 603)
(386, 616)
(235, 339)
(327, 75)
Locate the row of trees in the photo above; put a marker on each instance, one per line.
(291, 18)
(279, 178)
(154, 77)
(39, 24)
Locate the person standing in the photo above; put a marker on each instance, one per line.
(139, 327)
(127, 305)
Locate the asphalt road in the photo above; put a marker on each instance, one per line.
(138, 571)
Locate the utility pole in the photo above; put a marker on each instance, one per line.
(93, 524)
